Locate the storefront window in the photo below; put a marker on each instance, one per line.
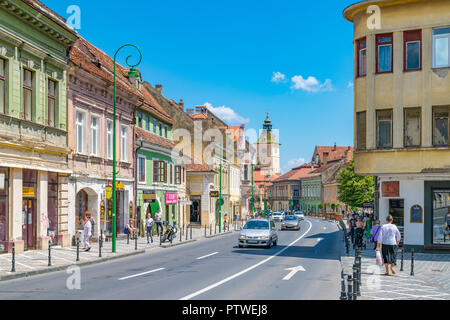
(441, 217)
(3, 209)
(52, 207)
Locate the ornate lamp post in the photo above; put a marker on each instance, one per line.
(132, 75)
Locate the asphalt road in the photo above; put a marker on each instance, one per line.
(213, 269)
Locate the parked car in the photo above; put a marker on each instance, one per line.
(290, 222)
(258, 232)
(300, 215)
(278, 216)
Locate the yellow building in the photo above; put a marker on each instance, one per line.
(401, 112)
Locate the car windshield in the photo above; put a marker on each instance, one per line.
(277, 213)
(256, 225)
(290, 218)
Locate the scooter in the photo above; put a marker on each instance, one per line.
(170, 233)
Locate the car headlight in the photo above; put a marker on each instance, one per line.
(241, 236)
(264, 237)
(283, 224)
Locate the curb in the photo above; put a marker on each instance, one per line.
(59, 268)
(176, 243)
(219, 234)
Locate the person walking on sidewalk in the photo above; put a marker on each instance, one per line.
(352, 227)
(374, 233)
(87, 233)
(388, 240)
(158, 221)
(92, 220)
(149, 226)
(367, 229)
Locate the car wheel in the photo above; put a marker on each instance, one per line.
(269, 245)
(275, 243)
(241, 246)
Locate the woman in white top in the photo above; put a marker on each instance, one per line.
(87, 233)
(388, 240)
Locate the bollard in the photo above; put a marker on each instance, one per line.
(187, 233)
(205, 230)
(355, 283)
(128, 238)
(49, 253)
(215, 228)
(210, 229)
(191, 231)
(78, 249)
(135, 241)
(343, 294)
(401, 261)
(356, 275)
(100, 244)
(13, 261)
(181, 231)
(412, 261)
(349, 287)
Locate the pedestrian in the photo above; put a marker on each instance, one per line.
(158, 221)
(149, 226)
(131, 230)
(367, 229)
(87, 233)
(352, 227)
(359, 232)
(387, 241)
(374, 233)
(92, 220)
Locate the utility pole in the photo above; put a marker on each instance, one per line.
(220, 195)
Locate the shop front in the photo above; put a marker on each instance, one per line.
(4, 209)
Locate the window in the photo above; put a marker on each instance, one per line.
(171, 174)
(412, 50)
(124, 144)
(362, 57)
(27, 94)
(95, 136)
(80, 134)
(154, 126)
(384, 128)
(139, 116)
(440, 126)
(147, 123)
(51, 97)
(412, 127)
(141, 166)
(245, 171)
(2, 86)
(165, 132)
(52, 207)
(182, 175)
(159, 171)
(160, 129)
(361, 130)
(384, 53)
(441, 216)
(177, 174)
(441, 44)
(109, 138)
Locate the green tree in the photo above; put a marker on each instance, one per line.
(354, 190)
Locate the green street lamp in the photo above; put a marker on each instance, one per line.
(133, 75)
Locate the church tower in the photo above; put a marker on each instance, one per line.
(268, 150)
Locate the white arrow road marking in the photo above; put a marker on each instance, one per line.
(140, 274)
(208, 255)
(294, 270)
(214, 285)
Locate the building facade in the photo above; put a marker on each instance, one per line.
(401, 114)
(33, 126)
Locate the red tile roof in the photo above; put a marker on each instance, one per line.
(194, 167)
(295, 173)
(334, 152)
(200, 116)
(153, 138)
(152, 105)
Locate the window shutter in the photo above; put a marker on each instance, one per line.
(361, 130)
(165, 172)
(155, 171)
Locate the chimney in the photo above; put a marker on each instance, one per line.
(159, 88)
(181, 103)
(334, 148)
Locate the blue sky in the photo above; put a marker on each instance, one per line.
(226, 53)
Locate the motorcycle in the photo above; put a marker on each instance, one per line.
(170, 233)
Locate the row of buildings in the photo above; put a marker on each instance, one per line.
(312, 187)
(57, 144)
(401, 113)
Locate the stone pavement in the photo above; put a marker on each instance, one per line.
(36, 261)
(431, 279)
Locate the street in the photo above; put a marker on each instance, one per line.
(304, 265)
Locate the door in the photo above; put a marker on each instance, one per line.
(397, 211)
(29, 223)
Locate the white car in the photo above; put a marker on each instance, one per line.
(300, 215)
(278, 216)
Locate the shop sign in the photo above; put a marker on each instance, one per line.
(416, 214)
(27, 192)
(102, 210)
(148, 195)
(390, 189)
(108, 191)
(131, 209)
(171, 198)
(214, 194)
(120, 186)
(186, 203)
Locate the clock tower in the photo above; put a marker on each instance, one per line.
(268, 149)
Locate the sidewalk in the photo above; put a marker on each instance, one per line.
(431, 279)
(36, 261)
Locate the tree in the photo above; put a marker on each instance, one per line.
(354, 190)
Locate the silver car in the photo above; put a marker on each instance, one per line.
(258, 232)
(278, 216)
(290, 222)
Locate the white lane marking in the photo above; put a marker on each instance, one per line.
(192, 295)
(140, 274)
(293, 270)
(208, 255)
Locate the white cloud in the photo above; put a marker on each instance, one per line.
(311, 84)
(294, 163)
(226, 114)
(350, 84)
(278, 77)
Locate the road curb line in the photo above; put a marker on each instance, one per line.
(219, 234)
(59, 268)
(177, 243)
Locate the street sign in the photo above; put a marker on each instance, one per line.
(214, 194)
(368, 205)
(108, 191)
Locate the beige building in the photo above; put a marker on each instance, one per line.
(402, 106)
